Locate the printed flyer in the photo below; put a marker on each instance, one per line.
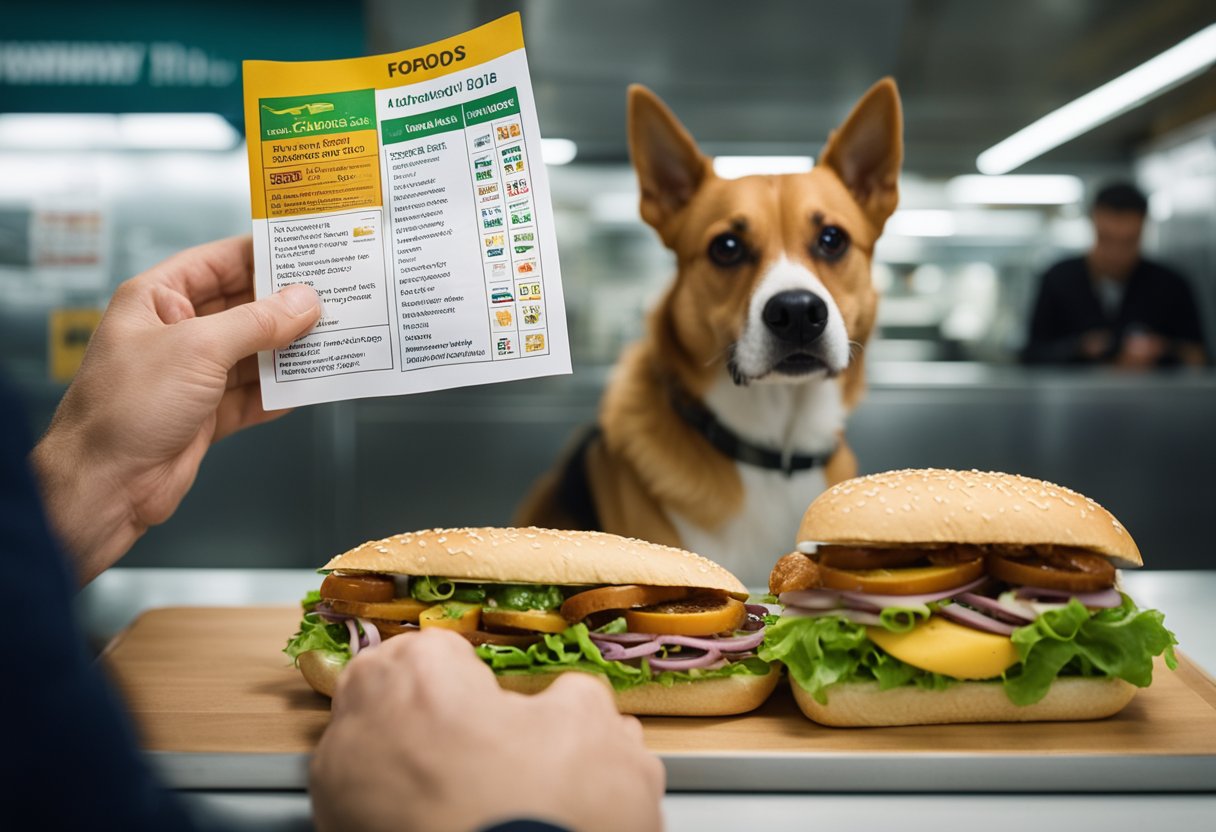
(409, 191)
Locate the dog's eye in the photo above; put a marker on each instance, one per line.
(832, 242)
(727, 249)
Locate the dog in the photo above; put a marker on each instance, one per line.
(726, 419)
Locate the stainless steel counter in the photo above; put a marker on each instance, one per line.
(119, 595)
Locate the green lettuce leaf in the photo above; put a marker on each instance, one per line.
(1119, 642)
(821, 652)
(1070, 641)
(573, 649)
(317, 634)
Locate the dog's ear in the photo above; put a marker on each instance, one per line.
(670, 166)
(867, 150)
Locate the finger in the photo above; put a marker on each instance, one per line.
(205, 272)
(445, 661)
(583, 691)
(227, 337)
(226, 302)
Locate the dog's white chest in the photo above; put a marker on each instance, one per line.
(806, 418)
(749, 543)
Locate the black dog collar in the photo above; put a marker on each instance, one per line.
(702, 420)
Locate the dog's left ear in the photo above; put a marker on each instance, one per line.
(867, 150)
(669, 164)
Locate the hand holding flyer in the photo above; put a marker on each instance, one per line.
(409, 191)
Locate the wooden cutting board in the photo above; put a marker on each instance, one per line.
(213, 680)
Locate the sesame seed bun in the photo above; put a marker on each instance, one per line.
(537, 556)
(932, 505)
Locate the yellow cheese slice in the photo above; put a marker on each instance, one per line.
(941, 646)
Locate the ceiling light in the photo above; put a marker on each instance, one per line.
(558, 151)
(1014, 190)
(732, 167)
(1153, 77)
(921, 223)
(106, 131)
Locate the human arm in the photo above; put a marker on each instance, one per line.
(1054, 339)
(422, 737)
(170, 370)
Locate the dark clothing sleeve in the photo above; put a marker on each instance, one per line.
(70, 759)
(1061, 316)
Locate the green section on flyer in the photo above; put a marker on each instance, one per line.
(311, 115)
(409, 128)
(492, 107)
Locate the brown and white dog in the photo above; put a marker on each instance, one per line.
(722, 424)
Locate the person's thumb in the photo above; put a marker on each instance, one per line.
(264, 324)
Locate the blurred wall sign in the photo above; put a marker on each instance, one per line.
(69, 333)
(136, 56)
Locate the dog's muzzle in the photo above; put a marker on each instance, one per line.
(796, 319)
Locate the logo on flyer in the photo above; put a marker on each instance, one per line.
(534, 342)
(488, 193)
(528, 291)
(508, 131)
(517, 187)
(498, 271)
(526, 267)
(504, 346)
(531, 314)
(491, 218)
(482, 141)
(521, 212)
(513, 159)
(483, 161)
(501, 295)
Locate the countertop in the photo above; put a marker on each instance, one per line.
(118, 596)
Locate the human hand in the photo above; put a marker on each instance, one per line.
(1141, 350)
(422, 737)
(1095, 343)
(170, 369)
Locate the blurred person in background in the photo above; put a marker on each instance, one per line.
(1113, 306)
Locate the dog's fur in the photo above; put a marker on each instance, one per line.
(646, 473)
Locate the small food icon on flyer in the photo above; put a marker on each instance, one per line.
(513, 159)
(528, 291)
(502, 317)
(501, 295)
(508, 131)
(534, 342)
(523, 242)
(527, 267)
(521, 212)
(530, 314)
(491, 217)
(494, 245)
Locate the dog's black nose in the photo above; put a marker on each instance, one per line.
(796, 316)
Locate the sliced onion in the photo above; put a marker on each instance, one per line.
(373, 633)
(617, 653)
(856, 616)
(884, 601)
(755, 616)
(695, 662)
(733, 644)
(975, 619)
(996, 609)
(1102, 599)
(353, 629)
(622, 638)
